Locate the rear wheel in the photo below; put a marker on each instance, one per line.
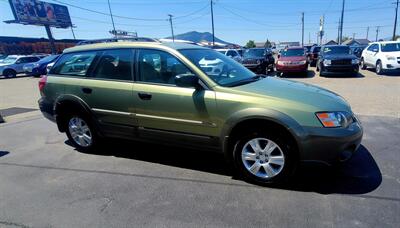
(264, 158)
(80, 132)
(10, 73)
(378, 68)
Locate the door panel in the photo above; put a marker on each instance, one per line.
(176, 109)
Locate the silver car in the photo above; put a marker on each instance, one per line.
(14, 64)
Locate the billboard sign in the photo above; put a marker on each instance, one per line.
(40, 13)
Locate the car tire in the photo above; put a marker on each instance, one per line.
(256, 164)
(8, 73)
(362, 64)
(80, 132)
(378, 68)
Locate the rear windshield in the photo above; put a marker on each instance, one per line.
(251, 53)
(292, 52)
(390, 47)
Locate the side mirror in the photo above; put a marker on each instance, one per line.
(187, 80)
(279, 55)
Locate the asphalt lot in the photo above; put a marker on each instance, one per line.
(44, 182)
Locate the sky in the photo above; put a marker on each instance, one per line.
(236, 21)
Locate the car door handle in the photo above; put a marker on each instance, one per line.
(87, 90)
(145, 96)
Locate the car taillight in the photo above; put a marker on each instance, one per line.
(42, 82)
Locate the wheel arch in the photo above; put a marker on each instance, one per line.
(67, 104)
(259, 117)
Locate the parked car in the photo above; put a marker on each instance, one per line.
(313, 55)
(264, 125)
(383, 56)
(2, 56)
(292, 59)
(40, 67)
(13, 64)
(357, 50)
(259, 60)
(337, 59)
(49, 66)
(234, 54)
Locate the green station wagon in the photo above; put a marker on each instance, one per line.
(194, 97)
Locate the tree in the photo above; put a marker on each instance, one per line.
(268, 44)
(250, 44)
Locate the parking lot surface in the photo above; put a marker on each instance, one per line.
(44, 182)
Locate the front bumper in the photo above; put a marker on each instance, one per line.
(353, 68)
(292, 68)
(330, 145)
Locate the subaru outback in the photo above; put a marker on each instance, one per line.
(160, 93)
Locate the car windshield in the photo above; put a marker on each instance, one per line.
(337, 50)
(9, 60)
(48, 59)
(390, 47)
(292, 52)
(251, 53)
(316, 49)
(220, 68)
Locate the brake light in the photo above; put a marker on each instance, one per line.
(42, 82)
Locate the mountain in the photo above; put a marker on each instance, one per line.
(197, 37)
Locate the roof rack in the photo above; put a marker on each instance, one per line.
(110, 40)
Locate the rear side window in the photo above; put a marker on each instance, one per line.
(74, 63)
(231, 53)
(115, 65)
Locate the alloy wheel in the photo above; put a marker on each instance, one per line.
(263, 158)
(80, 132)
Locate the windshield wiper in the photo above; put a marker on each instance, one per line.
(247, 80)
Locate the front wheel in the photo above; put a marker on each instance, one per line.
(362, 64)
(80, 132)
(263, 158)
(378, 68)
(10, 73)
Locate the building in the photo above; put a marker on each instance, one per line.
(10, 45)
(356, 42)
(331, 42)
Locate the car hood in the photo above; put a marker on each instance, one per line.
(340, 56)
(292, 58)
(312, 97)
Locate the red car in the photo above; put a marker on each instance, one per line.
(293, 59)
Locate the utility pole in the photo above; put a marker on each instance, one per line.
(377, 33)
(112, 19)
(395, 21)
(172, 27)
(341, 24)
(338, 31)
(367, 32)
(302, 29)
(318, 38)
(309, 37)
(212, 22)
(354, 35)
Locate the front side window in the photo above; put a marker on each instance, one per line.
(372, 47)
(231, 53)
(159, 67)
(389, 47)
(220, 68)
(115, 65)
(74, 63)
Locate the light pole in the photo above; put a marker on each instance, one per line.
(172, 27)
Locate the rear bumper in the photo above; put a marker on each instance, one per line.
(330, 145)
(47, 110)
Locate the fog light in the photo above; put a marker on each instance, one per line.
(389, 66)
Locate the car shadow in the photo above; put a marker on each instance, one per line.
(344, 75)
(359, 175)
(389, 74)
(3, 153)
(18, 76)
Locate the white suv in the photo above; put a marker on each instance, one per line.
(234, 54)
(383, 56)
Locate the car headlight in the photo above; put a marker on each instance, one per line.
(302, 62)
(334, 119)
(327, 62)
(258, 61)
(280, 62)
(388, 57)
(355, 61)
(35, 64)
